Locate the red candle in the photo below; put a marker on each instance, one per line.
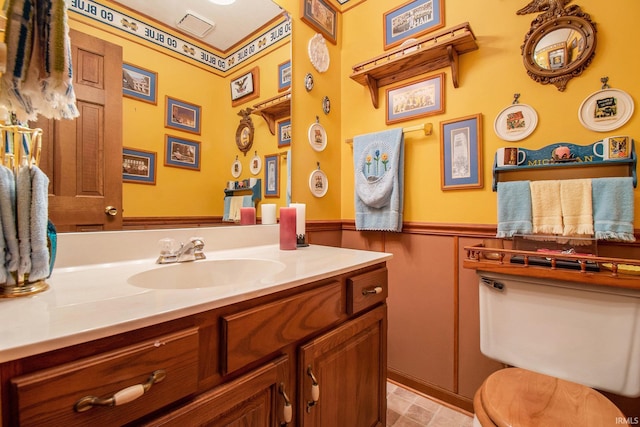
(247, 216)
(288, 239)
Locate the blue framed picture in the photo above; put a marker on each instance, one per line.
(461, 153)
(284, 76)
(183, 116)
(182, 153)
(139, 83)
(284, 133)
(272, 175)
(416, 99)
(412, 20)
(138, 166)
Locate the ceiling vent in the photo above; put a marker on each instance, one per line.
(195, 24)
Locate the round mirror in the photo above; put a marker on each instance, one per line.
(558, 48)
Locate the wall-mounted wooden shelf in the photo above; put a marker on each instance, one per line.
(540, 165)
(432, 52)
(255, 191)
(274, 109)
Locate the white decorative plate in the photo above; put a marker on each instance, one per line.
(318, 183)
(319, 53)
(317, 137)
(515, 122)
(308, 82)
(236, 168)
(606, 110)
(256, 165)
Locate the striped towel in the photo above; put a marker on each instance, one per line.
(39, 70)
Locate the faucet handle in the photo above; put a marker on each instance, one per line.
(198, 247)
(168, 246)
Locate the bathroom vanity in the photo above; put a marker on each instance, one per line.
(301, 343)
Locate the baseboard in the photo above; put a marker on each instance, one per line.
(445, 396)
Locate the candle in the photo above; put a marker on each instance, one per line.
(268, 213)
(288, 228)
(247, 216)
(300, 219)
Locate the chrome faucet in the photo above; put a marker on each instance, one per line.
(191, 251)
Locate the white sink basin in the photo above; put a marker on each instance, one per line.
(207, 273)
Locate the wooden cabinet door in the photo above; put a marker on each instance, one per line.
(347, 367)
(252, 400)
(83, 157)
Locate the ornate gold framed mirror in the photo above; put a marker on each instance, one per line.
(560, 44)
(244, 132)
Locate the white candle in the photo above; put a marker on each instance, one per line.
(268, 213)
(301, 209)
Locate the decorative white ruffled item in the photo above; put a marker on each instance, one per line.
(39, 72)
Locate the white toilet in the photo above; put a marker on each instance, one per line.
(563, 339)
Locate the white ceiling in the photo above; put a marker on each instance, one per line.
(232, 23)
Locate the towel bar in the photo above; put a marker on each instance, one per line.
(427, 127)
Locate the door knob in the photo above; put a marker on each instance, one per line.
(111, 211)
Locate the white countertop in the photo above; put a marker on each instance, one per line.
(88, 299)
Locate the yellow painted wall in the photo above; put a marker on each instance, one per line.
(178, 191)
(488, 79)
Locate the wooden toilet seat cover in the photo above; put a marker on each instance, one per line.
(518, 397)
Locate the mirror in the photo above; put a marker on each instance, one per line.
(559, 45)
(146, 203)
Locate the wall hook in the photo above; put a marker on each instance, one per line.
(604, 80)
(515, 98)
(318, 163)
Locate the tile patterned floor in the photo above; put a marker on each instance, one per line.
(408, 409)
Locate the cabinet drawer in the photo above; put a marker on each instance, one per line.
(255, 333)
(49, 396)
(366, 290)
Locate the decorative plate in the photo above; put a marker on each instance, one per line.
(319, 53)
(515, 122)
(606, 110)
(326, 105)
(236, 168)
(318, 183)
(308, 82)
(317, 137)
(256, 164)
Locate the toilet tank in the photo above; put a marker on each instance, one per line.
(582, 333)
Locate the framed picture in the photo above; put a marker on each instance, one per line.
(139, 83)
(284, 133)
(417, 99)
(411, 20)
(272, 175)
(461, 153)
(321, 16)
(138, 166)
(245, 87)
(284, 76)
(181, 153)
(183, 116)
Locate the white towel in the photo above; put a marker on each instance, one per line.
(8, 215)
(39, 222)
(546, 208)
(234, 207)
(577, 212)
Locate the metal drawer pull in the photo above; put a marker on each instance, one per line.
(372, 291)
(287, 411)
(315, 390)
(123, 396)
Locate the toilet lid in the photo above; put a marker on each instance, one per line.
(515, 396)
